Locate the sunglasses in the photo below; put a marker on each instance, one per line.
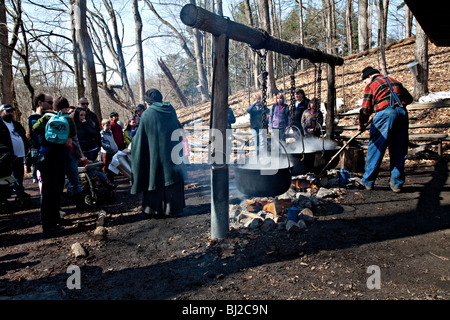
(84, 103)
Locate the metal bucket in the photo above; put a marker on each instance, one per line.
(124, 165)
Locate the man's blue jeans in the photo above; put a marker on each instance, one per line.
(72, 175)
(389, 129)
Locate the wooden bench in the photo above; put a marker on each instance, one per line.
(432, 138)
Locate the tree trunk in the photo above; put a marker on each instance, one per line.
(421, 54)
(79, 8)
(119, 56)
(173, 82)
(326, 6)
(301, 28)
(348, 25)
(382, 36)
(363, 32)
(408, 22)
(139, 51)
(201, 72)
(77, 58)
(254, 55)
(6, 82)
(265, 17)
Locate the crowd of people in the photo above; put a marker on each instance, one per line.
(304, 117)
(52, 163)
(148, 136)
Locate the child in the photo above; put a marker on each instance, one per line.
(130, 130)
(109, 147)
(117, 130)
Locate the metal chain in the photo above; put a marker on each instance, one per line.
(264, 74)
(292, 107)
(319, 83)
(264, 90)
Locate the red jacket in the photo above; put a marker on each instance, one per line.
(118, 135)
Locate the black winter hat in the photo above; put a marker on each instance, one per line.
(153, 95)
(368, 71)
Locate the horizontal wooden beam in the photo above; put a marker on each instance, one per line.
(204, 20)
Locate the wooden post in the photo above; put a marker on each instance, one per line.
(219, 124)
(331, 100)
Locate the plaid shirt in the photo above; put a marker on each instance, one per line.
(377, 96)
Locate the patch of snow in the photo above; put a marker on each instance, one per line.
(435, 96)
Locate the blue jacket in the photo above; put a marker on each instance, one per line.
(256, 110)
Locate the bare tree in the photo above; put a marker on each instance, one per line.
(408, 22)
(363, 31)
(79, 9)
(301, 28)
(77, 58)
(6, 82)
(421, 54)
(249, 17)
(201, 72)
(382, 34)
(139, 51)
(265, 17)
(348, 25)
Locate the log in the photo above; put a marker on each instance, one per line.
(204, 20)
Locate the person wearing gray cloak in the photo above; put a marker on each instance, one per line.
(154, 172)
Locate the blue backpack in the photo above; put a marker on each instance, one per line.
(57, 128)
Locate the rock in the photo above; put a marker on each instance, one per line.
(325, 193)
(255, 223)
(308, 215)
(268, 225)
(301, 224)
(292, 227)
(314, 201)
(234, 212)
(281, 225)
(100, 233)
(323, 182)
(78, 250)
(295, 227)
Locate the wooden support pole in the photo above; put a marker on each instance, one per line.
(204, 20)
(219, 124)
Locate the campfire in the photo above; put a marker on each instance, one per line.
(306, 196)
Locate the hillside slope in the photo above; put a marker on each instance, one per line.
(349, 86)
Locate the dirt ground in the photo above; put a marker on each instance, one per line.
(404, 237)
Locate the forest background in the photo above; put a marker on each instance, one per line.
(112, 51)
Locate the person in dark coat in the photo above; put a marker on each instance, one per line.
(14, 136)
(154, 172)
(256, 112)
(51, 165)
(86, 132)
(90, 115)
(300, 105)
